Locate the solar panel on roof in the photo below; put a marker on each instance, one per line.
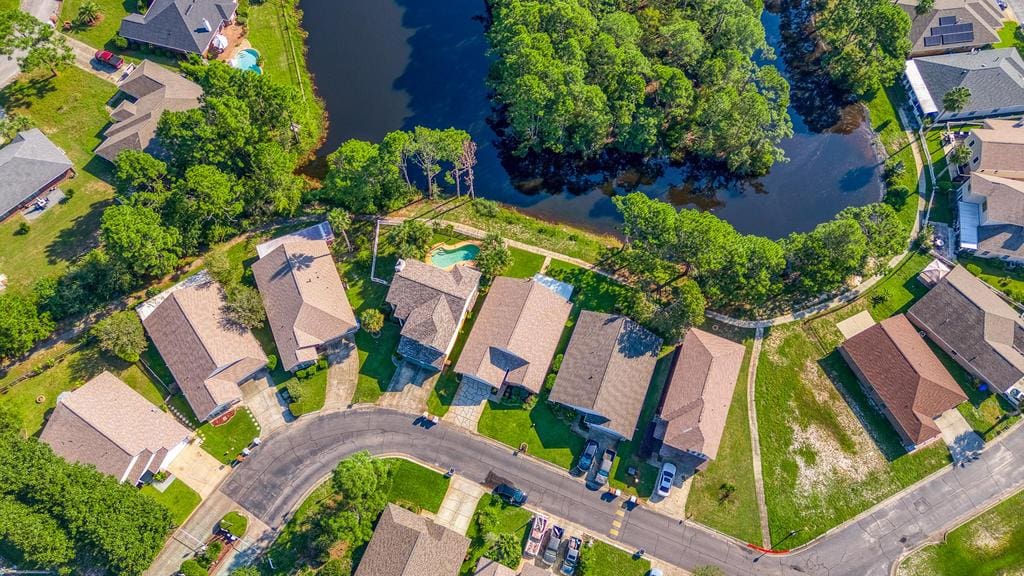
(932, 40)
(947, 20)
(958, 38)
(953, 29)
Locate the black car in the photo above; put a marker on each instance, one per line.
(586, 458)
(510, 494)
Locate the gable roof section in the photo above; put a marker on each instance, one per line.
(607, 369)
(106, 423)
(700, 391)
(515, 334)
(994, 77)
(407, 544)
(208, 355)
(487, 567)
(983, 17)
(969, 318)
(304, 298)
(1005, 197)
(319, 231)
(905, 374)
(429, 301)
(1000, 149)
(28, 163)
(178, 24)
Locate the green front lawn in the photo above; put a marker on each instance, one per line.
(311, 393)
(895, 293)
(591, 291)
(98, 34)
(226, 441)
(506, 519)
(69, 109)
(546, 434)
(886, 123)
(235, 522)
(376, 366)
(1009, 281)
(524, 264)
(990, 545)
(417, 487)
(1008, 36)
(607, 560)
(178, 498)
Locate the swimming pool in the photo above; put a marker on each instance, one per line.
(446, 257)
(247, 60)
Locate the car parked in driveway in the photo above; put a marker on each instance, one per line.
(538, 530)
(586, 459)
(666, 478)
(110, 59)
(606, 467)
(554, 541)
(510, 494)
(572, 556)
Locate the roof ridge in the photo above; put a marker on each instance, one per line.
(611, 353)
(101, 432)
(195, 331)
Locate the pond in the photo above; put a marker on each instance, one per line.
(383, 65)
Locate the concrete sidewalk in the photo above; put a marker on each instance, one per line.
(459, 504)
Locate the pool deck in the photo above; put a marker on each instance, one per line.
(449, 247)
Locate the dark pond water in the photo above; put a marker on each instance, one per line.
(382, 65)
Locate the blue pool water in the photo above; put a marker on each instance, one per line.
(444, 257)
(247, 60)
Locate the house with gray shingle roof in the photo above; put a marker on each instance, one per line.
(995, 79)
(30, 164)
(431, 304)
(185, 26)
(407, 544)
(991, 217)
(107, 424)
(606, 371)
(515, 335)
(952, 26)
(148, 91)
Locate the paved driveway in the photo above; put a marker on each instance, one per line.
(197, 468)
(342, 377)
(266, 405)
(963, 442)
(459, 504)
(468, 404)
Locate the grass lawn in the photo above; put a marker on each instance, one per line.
(375, 352)
(524, 264)
(901, 288)
(506, 519)
(611, 561)
(886, 123)
(1008, 37)
(447, 384)
(100, 33)
(235, 522)
(546, 434)
(417, 486)
(591, 291)
(69, 109)
(312, 392)
(178, 498)
(736, 516)
(942, 209)
(990, 545)
(226, 441)
(1007, 281)
(9, 4)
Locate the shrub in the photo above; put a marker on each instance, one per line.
(556, 364)
(295, 393)
(119, 42)
(894, 169)
(23, 228)
(506, 550)
(486, 208)
(973, 268)
(372, 320)
(68, 195)
(271, 362)
(896, 196)
(321, 364)
(192, 568)
(121, 334)
(336, 567)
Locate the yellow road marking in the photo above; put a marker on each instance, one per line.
(620, 512)
(616, 524)
(613, 532)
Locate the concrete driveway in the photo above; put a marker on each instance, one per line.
(197, 468)
(459, 504)
(962, 440)
(266, 405)
(468, 404)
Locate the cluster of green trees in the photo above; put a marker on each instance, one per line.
(71, 518)
(35, 44)
(657, 78)
(866, 43)
(375, 178)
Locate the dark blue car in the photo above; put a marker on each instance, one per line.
(586, 458)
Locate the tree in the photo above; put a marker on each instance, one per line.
(37, 42)
(961, 154)
(137, 240)
(88, 13)
(410, 239)
(135, 171)
(10, 125)
(494, 257)
(220, 268)
(956, 99)
(367, 178)
(340, 221)
(825, 257)
(245, 306)
(121, 334)
(885, 233)
(686, 309)
(505, 549)
(21, 325)
(371, 320)
(867, 42)
(924, 6)
(39, 538)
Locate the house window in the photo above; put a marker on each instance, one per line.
(975, 160)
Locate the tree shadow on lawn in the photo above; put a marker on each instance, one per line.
(553, 432)
(22, 94)
(80, 236)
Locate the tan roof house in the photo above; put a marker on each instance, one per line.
(487, 567)
(305, 300)
(905, 378)
(515, 335)
(998, 148)
(430, 304)
(208, 354)
(699, 392)
(606, 371)
(107, 424)
(407, 544)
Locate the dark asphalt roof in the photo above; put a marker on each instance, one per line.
(994, 77)
(27, 164)
(178, 24)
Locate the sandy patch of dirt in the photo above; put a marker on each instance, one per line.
(918, 564)
(989, 533)
(771, 345)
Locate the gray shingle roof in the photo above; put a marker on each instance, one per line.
(178, 24)
(994, 77)
(984, 331)
(27, 164)
(1004, 197)
(406, 544)
(982, 14)
(429, 301)
(607, 369)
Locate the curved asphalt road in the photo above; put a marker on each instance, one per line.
(273, 481)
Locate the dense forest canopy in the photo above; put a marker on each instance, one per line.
(866, 43)
(660, 78)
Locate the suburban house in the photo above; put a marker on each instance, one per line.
(515, 334)
(952, 26)
(995, 79)
(990, 217)
(183, 26)
(29, 166)
(977, 328)
(696, 400)
(606, 371)
(147, 92)
(107, 424)
(208, 354)
(405, 543)
(904, 378)
(305, 300)
(430, 304)
(487, 567)
(998, 149)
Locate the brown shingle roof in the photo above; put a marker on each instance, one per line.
(700, 392)
(607, 369)
(429, 301)
(999, 148)
(488, 567)
(105, 423)
(515, 334)
(905, 374)
(304, 298)
(406, 544)
(208, 355)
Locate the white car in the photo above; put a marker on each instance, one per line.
(666, 478)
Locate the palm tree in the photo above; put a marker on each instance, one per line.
(956, 99)
(89, 12)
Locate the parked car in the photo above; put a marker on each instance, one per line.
(606, 467)
(510, 494)
(537, 532)
(666, 478)
(655, 572)
(572, 556)
(554, 541)
(586, 458)
(110, 59)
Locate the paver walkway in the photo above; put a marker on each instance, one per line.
(755, 439)
(468, 404)
(342, 377)
(459, 503)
